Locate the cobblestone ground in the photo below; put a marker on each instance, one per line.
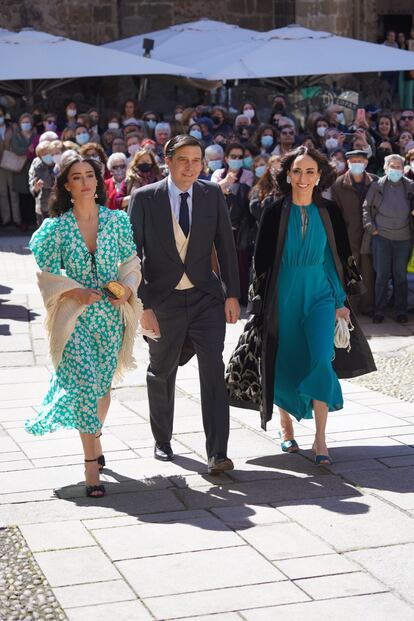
(277, 538)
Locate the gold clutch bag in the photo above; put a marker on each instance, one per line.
(114, 289)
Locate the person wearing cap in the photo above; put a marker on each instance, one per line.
(349, 192)
(388, 220)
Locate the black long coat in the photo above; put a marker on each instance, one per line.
(267, 259)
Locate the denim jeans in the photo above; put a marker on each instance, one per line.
(391, 259)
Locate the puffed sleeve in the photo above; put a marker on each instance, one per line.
(45, 245)
(126, 243)
(332, 274)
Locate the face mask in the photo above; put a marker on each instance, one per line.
(356, 168)
(340, 117)
(57, 158)
(394, 175)
(215, 164)
(71, 112)
(279, 107)
(37, 119)
(321, 130)
(248, 161)
(133, 148)
(412, 165)
(266, 141)
(383, 152)
(178, 116)
(113, 125)
(144, 167)
(368, 151)
(216, 120)
(47, 159)
(260, 170)
(1, 120)
(119, 174)
(94, 120)
(96, 158)
(195, 133)
(249, 113)
(26, 127)
(151, 123)
(82, 138)
(331, 143)
(235, 164)
(51, 126)
(340, 166)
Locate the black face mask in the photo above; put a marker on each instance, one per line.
(382, 153)
(37, 119)
(216, 120)
(145, 167)
(279, 107)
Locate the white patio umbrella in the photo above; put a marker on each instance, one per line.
(34, 55)
(297, 51)
(187, 43)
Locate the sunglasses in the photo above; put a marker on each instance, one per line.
(407, 118)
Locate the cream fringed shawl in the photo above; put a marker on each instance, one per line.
(62, 313)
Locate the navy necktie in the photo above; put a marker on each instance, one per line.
(184, 220)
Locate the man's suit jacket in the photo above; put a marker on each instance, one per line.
(151, 220)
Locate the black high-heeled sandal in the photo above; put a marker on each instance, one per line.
(101, 458)
(92, 489)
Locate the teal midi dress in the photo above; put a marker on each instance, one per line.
(90, 356)
(309, 291)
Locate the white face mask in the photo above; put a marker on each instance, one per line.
(340, 166)
(133, 148)
(113, 125)
(331, 143)
(412, 165)
(71, 112)
(178, 116)
(321, 130)
(249, 112)
(57, 158)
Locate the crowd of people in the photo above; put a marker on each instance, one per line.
(371, 151)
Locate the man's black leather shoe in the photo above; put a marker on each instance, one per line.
(219, 463)
(163, 452)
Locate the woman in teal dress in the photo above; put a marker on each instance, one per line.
(91, 243)
(310, 297)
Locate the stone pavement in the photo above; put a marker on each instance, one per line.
(276, 538)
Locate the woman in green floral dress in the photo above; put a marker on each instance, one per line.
(90, 243)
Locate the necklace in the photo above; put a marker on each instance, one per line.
(305, 220)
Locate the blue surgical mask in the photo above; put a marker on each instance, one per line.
(394, 175)
(340, 117)
(82, 138)
(248, 162)
(235, 164)
(266, 141)
(51, 126)
(356, 168)
(215, 164)
(260, 170)
(26, 127)
(195, 133)
(151, 123)
(47, 159)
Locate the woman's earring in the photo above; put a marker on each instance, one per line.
(288, 179)
(72, 200)
(317, 182)
(96, 195)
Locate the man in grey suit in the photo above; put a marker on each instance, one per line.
(179, 224)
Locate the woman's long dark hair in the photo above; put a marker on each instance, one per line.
(61, 202)
(328, 174)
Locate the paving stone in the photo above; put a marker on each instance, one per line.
(121, 611)
(310, 567)
(7, 444)
(394, 485)
(76, 566)
(342, 467)
(370, 448)
(19, 343)
(24, 374)
(55, 536)
(277, 466)
(378, 607)
(242, 443)
(404, 429)
(126, 542)
(13, 456)
(133, 436)
(168, 516)
(343, 585)
(195, 571)
(49, 447)
(91, 594)
(225, 600)
(287, 540)
(134, 503)
(398, 462)
(13, 466)
(247, 516)
(343, 523)
(393, 565)
(229, 616)
(262, 492)
(356, 422)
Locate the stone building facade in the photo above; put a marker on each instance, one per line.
(99, 21)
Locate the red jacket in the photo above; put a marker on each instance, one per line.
(111, 192)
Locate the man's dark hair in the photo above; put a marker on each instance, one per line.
(179, 141)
